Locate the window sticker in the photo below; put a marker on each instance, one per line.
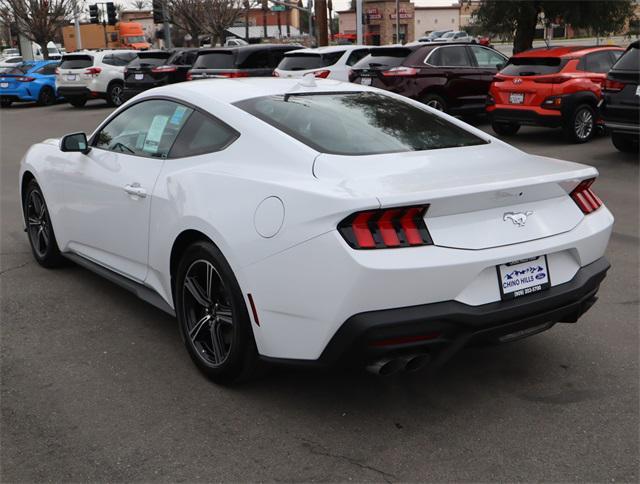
(154, 135)
(178, 114)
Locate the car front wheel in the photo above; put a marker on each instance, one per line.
(212, 315)
(39, 228)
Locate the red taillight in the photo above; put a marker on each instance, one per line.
(161, 69)
(551, 79)
(585, 198)
(275, 74)
(322, 74)
(386, 228)
(498, 79)
(189, 76)
(400, 72)
(25, 79)
(233, 75)
(613, 86)
(57, 71)
(93, 71)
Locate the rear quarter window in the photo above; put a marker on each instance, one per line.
(630, 61)
(149, 60)
(533, 66)
(76, 62)
(202, 134)
(307, 60)
(384, 57)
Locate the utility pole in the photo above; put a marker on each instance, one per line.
(321, 22)
(165, 25)
(397, 21)
(265, 7)
(359, 36)
(76, 21)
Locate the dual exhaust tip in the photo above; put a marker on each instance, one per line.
(394, 364)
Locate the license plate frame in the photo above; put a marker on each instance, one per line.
(523, 277)
(139, 77)
(516, 98)
(4, 85)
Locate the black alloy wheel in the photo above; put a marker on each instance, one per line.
(39, 228)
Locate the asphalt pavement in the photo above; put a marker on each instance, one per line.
(96, 384)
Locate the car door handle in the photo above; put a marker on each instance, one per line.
(136, 190)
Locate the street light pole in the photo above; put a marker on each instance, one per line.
(165, 25)
(359, 36)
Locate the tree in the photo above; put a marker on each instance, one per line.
(219, 15)
(519, 19)
(140, 4)
(40, 20)
(188, 16)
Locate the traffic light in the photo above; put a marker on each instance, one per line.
(93, 14)
(111, 13)
(158, 16)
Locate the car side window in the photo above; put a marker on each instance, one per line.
(486, 57)
(256, 60)
(598, 62)
(148, 129)
(202, 134)
(455, 56)
(356, 55)
(48, 70)
(275, 56)
(109, 60)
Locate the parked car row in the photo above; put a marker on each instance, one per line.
(552, 86)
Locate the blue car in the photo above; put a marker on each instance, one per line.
(29, 81)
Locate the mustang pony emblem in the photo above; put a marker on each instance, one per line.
(518, 218)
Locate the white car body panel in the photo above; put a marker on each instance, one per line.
(339, 71)
(305, 280)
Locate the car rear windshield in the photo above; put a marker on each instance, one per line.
(16, 70)
(383, 58)
(359, 123)
(630, 61)
(533, 66)
(76, 61)
(307, 60)
(150, 59)
(222, 59)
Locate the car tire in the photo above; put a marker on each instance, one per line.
(213, 318)
(77, 102)
(46, 96)
(115, 93)
(42, 238)
(581, 125)
(435, 101)
(5, 103)
(505, 129)
(627, 143)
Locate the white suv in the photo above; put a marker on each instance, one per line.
(91, 75)
(324, 62)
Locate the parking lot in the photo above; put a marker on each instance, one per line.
(96, 384)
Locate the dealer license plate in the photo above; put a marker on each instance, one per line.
(365, 81)
(139, 77)
(71, 77)
(516, 98)
(523, 277)
(4, 84)
(638, 91)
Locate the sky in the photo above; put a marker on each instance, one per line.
(342, 4)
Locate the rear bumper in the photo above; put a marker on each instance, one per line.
(621, 127)
(444, 328)
(530, 117)
(78, 92)
(21, 94)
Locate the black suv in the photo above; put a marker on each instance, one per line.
(155, 68)
(620, 105)
(450, 77)
(245, 61)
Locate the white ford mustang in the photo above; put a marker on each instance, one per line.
(318, 223)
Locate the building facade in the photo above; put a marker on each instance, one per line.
(380, 22)
(429, 19)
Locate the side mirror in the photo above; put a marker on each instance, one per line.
(500, 66)
(75, 142)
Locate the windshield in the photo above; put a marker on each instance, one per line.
(222, 59)
(533, 66)
(52, 50)
(76, 61)
(150, 59)
(384, 57)
(359, 123)
(304, 60)
(135, 39)
(448, 35)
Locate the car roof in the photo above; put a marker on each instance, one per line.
(228, 91)
(329, 49)
(565, 50)
(243, 48)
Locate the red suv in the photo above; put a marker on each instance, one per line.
(555, 87)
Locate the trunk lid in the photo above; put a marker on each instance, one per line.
(470, 191)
